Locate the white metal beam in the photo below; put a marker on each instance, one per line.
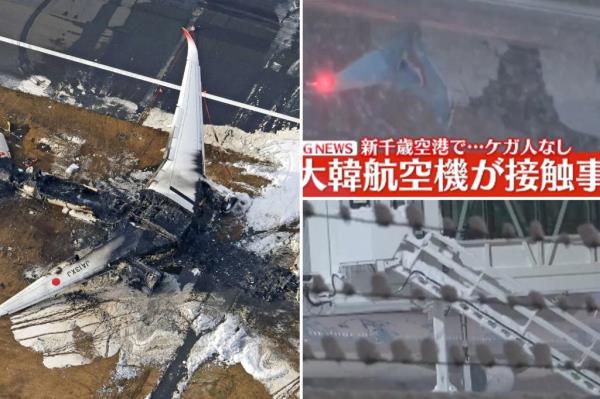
(513, 218)
(442, 372)
(574, 278)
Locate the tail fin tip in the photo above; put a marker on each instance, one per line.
(187, 34)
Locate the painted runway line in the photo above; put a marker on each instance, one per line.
(146, 79)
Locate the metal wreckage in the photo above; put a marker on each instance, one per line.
(179, 215)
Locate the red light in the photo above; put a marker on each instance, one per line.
(325, 83)
(55, 281)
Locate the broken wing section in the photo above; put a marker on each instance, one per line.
(4, 151)
(6, 165)
(184, 166)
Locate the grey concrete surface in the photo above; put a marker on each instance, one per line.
(248, 50)
(511, 68)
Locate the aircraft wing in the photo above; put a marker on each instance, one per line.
(184, 165)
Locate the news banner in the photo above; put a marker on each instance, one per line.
(449, 167)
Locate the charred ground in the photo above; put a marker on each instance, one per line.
(264, 288)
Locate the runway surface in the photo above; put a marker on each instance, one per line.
(248, 52)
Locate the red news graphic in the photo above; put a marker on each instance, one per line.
(433, 167)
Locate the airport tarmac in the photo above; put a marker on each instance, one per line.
(248, 52)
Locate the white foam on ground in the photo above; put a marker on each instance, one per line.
(141, 327)
(146, 331)
(39, 85)
(272, 243)
(231, 344)
(204, 322)
(36, 85)
(124, 371)
(159, 119)
(264, 245)
(109, 101)
(277, 204)
(141, 175)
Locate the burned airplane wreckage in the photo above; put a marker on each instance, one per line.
(180, 205)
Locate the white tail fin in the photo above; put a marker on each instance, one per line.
(179, 173)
